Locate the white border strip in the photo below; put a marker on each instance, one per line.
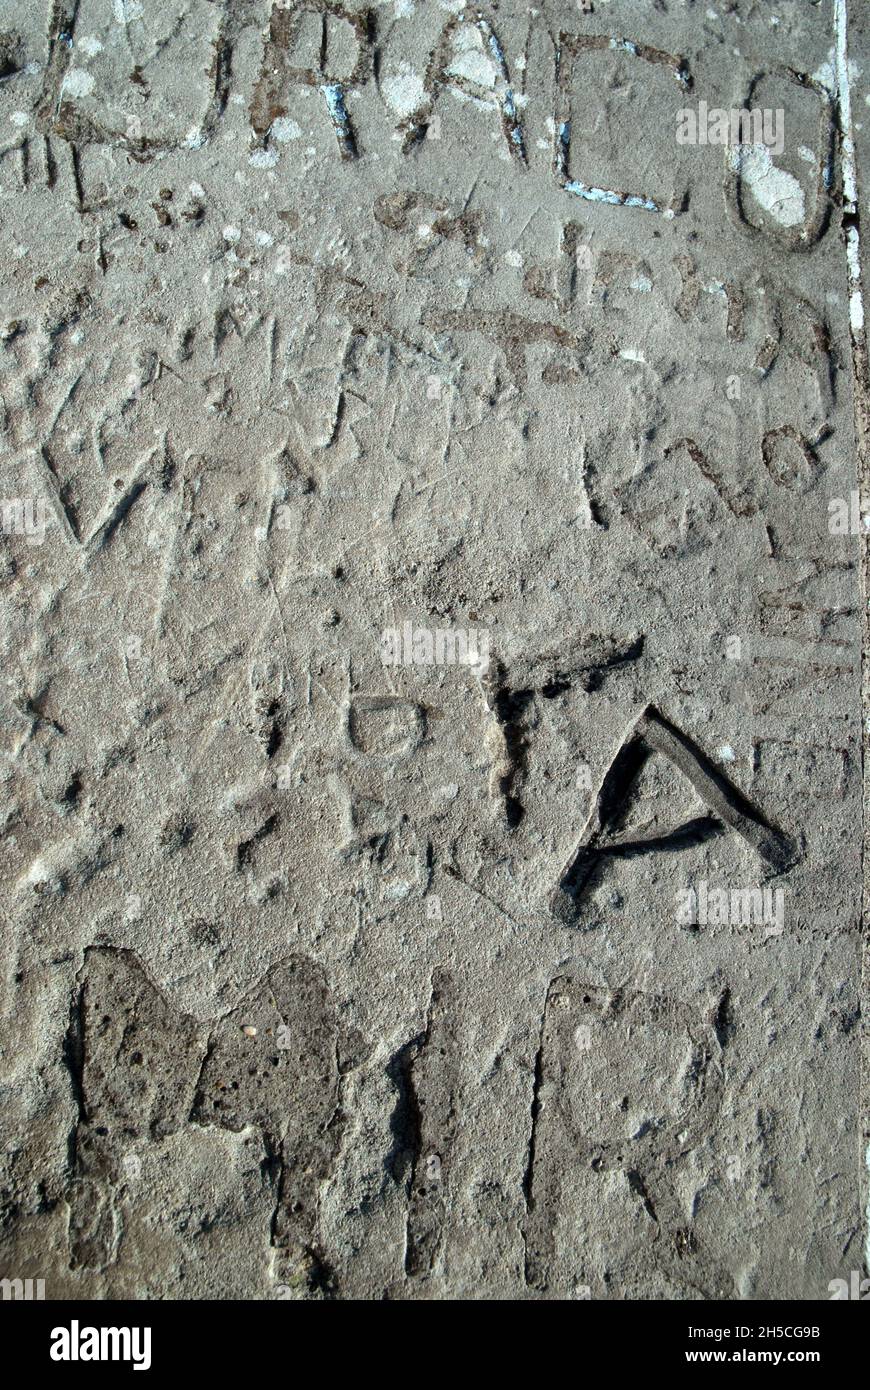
(850, 179)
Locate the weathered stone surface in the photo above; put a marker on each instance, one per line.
(432, 619)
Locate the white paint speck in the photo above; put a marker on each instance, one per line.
(470, 60)
(399, 888)
(283, 129)
(78, 83)
(404, 93)
(774, 189)
(826, 74)
(126, 11)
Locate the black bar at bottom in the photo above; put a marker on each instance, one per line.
(250, 1340)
